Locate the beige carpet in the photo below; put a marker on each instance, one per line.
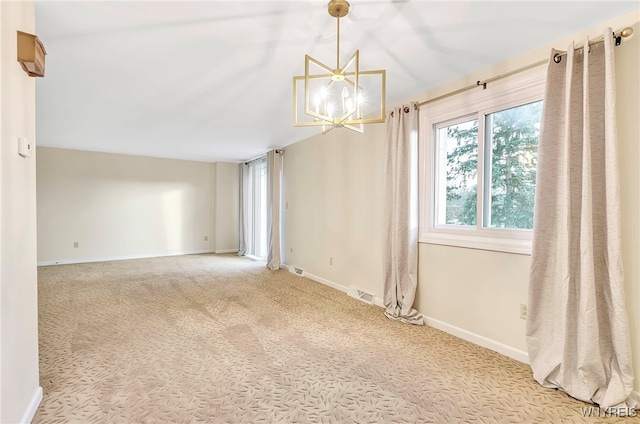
(220, 339)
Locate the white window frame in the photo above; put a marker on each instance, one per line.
(513, 91)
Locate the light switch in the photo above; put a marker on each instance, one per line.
(24, 147)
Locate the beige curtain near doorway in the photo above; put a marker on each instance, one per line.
(400, 240)
(274, 179)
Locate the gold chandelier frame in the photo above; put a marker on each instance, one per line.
(321, 113)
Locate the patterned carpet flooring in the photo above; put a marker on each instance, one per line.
(221, 339)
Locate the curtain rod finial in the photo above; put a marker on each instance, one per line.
(627, 32)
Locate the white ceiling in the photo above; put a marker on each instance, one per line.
(212, 80)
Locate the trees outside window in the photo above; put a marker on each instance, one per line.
(511, 146)
(479, 166)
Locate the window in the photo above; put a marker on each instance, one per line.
(256, 187)
(510, 176)
(457, 173)
(478, 168)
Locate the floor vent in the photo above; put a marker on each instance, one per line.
(296, 270)
(362, 295)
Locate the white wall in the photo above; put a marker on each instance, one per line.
(121, 206)
(333, 207)
(226, 207)
(19, 383)
(628, 109)
(333, 187)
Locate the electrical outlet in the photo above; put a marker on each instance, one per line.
(330, 260)
(24, 147)
(76, 244)
(291, 249)
(206, 238)
(523, 311)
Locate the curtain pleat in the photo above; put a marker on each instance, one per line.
(400, 239)
(577, 329)
(274, 177)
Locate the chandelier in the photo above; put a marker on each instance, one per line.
(340, 96)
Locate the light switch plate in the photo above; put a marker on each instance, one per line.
(24, 147)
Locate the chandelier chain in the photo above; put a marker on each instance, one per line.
(338, 45)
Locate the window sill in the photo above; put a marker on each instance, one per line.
(521, 246)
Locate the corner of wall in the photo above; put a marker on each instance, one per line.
(18, 256)
(225, 207)
(212, 207)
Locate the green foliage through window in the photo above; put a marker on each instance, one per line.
(461, 172)
(510, 159)
(513, 136)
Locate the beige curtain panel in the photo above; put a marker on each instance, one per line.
(577, 330)
(274, 179)
(400, 240)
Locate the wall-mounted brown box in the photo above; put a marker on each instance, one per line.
(31, 54)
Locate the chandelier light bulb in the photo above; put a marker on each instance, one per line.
(348, 105)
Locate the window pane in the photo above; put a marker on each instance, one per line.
(457, 179)
(512, 136)
(257, 209)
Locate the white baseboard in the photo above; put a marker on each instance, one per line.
(28, 415)
(120, 258)
(220, 251)
(326, 282)
(317, 279)
(377, 301)
(509, 351)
